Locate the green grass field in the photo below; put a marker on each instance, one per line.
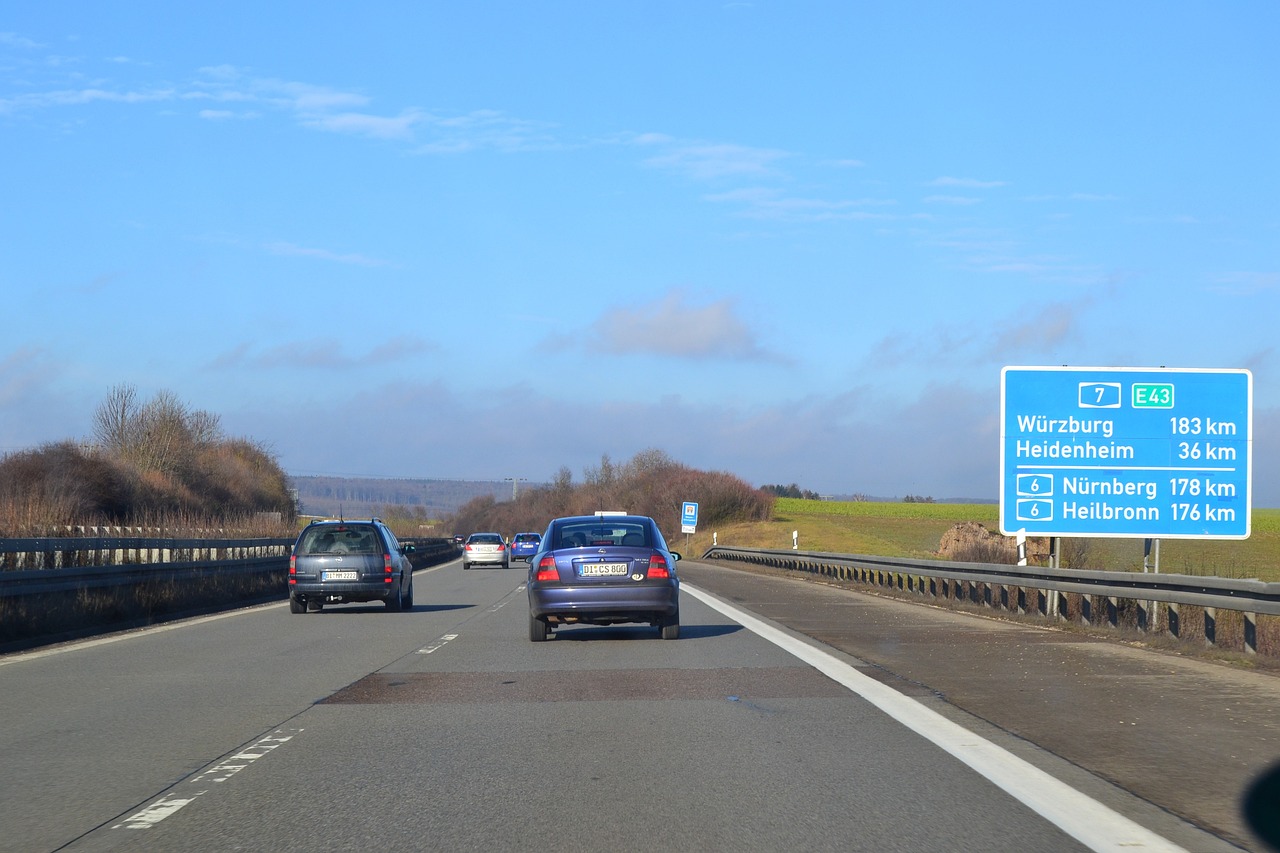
(915, 530)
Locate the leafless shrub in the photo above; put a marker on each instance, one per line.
(651, 483)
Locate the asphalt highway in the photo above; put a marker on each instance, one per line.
(789, 715)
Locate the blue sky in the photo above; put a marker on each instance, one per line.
(794, 241)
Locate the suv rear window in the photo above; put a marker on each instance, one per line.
(339, 539)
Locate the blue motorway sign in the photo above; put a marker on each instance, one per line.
(1133, 452)
(689, 517)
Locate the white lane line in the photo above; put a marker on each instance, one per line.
(220, 772)
(1083, 818)
(437, 645)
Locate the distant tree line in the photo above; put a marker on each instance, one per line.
(150, 463)
(651, 484)
(792, 491)
(917, 499)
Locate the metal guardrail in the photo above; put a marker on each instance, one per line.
(71, 563)
(44, 553)
(1005, 586)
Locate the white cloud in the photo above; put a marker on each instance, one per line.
(19, 41)
(953, 200)
(671, 326)
(767, 203)
(968, 183)
(710, 161)
(293, 250)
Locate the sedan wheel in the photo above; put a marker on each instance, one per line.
(670, 627)
(539, 631)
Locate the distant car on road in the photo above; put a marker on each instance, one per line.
(337, 561)
(603, 569)
(525, 545)
(485, 549)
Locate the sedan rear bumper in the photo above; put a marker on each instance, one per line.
(613, 603)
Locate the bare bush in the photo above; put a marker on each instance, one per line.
(651, 483)
(155, 461)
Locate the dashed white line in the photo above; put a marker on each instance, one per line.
(437, 645)
(168, 806)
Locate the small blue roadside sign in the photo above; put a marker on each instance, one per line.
(689, 517)
(1135, 452)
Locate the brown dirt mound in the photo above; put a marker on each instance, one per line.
(971, 541)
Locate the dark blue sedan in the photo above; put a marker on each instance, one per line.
(525, 545)
(603, 569)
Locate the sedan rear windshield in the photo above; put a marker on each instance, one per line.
(339, 539)
(595, 533)
(486, 539)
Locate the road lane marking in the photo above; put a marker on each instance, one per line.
(1083, 818)
(168, 806)
(437, 645)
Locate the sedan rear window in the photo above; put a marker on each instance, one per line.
(600, 534)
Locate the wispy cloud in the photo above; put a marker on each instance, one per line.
(19, 41)
(318, 355)
(294, 250)
(672, 326)
(967, 183)
(1245, 283)
(74, 97)
(953, 200)
(708, 161)
(767, 203)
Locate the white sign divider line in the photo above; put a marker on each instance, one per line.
(220, 772)
(1085, 819)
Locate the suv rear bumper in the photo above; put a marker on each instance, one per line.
(349, 590)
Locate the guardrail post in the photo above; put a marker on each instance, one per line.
(1250, 633)
(1211, 626)
(1175, 620)
(1086, 609)
(1113, 611)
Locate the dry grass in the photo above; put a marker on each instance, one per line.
(914, 531)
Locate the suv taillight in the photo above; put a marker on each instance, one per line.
(658, 567)
(386, 567)
(293, 568)
(547, 570)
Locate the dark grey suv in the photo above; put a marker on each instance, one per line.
(334, 562)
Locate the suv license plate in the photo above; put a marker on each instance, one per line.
(340, 576)
(603, 570)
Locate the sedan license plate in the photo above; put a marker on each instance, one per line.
(603, 570)
(340, 576)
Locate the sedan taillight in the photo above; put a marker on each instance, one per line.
(658, 567)
(547, 570)
(386, 567)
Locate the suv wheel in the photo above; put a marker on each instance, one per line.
(297, 605)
